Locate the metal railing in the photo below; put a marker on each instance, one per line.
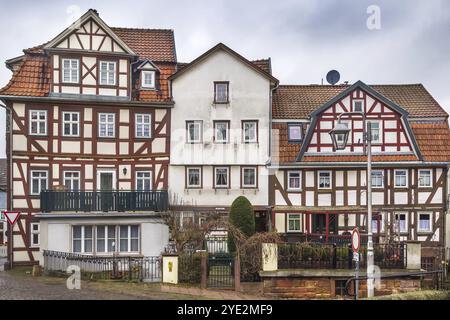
(124, 268)
(104, 201)
(332, 256)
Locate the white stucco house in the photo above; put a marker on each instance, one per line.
(220, 133)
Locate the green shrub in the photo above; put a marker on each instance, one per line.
(242, 217)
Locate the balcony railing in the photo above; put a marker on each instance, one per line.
(104, 201)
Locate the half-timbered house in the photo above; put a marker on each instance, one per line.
(89, 141)
(220, 134)
(320, 193)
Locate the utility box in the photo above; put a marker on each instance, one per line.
(170, 269)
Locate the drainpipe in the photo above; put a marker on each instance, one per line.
(270, 222)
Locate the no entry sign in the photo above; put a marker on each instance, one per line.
(356, 243)
(11, 216)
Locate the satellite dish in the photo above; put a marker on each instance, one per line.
(333, 77)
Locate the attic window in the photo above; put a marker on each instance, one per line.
(358, 105)
(295, 132)
(221, 90)
(148, 79)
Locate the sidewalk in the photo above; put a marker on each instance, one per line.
(210, 294)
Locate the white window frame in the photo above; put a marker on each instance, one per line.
(290, 139)
(419, 229)
(382, 179)
(152, 74)
(39, 178)
(289, 188)
(318, 180)
(108, 72)
(129, 239)
(199, 125)
(380, 131)
(106, 238)
(70, 122)
(248, 186)
(83, 238)
(107, 123)
(142, 124)
(38, 121)
(72, 179)
(354, 104)
(419, 180)
(33, 233)
(215, 178)
(289, 219)
(397, 221)
(255, 124)
(395, 178)
(72, 79)
(227, 123)
(192, 186)
(144, 179)
(216, 92)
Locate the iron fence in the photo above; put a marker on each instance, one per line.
(333, 256)
(124, 268)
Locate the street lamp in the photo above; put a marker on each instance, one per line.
(339, 135)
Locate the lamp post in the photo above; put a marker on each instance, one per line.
(339, 135)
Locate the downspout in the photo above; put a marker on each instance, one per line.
(269, 215)
(446, 212)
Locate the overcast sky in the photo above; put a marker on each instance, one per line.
(305, 39)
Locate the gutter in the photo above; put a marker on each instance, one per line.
(357, 164)
(168, 104)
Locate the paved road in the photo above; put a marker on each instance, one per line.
(13, 287)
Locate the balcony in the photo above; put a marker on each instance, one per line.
(103, 201)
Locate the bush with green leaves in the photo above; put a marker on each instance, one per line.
(242, 217)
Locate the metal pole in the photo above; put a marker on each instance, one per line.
(370, 260)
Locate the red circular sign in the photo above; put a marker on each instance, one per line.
(355, 240)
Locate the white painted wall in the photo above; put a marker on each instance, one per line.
(193, 93)
(56, 234)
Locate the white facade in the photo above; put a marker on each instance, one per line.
(57, 234)
(249, 99)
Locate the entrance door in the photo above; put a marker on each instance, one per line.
(105, 186)
(319, 225)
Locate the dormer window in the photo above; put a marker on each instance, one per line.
(107, 73)
(358, 105)
(295, 132)
(221, 92)
(148, 79)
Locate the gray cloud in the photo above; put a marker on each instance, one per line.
(304, 38)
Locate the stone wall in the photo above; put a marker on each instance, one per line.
(324, 288)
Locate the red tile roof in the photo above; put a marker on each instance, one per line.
(32, 75)
(32, 78)
(298, 101)
(433, 140)
(157, 45)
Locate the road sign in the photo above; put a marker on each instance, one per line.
(355, 256)
(355, 240)
(11, 216)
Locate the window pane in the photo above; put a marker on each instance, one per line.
(134, 231)
(77, 232)
(295, 132)
(76, 245)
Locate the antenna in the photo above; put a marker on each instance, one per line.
(333, 77)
